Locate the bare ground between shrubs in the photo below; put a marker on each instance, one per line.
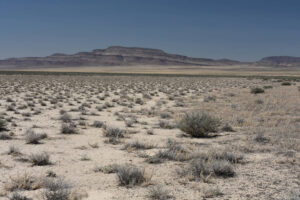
(265, 134)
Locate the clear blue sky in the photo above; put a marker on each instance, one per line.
(237, 29)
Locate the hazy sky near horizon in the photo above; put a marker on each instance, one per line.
(245, 30)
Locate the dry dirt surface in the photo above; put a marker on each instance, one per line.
(139, 137)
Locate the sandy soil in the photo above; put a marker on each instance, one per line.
(238, 70)
(266, 134)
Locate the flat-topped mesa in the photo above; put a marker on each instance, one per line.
(112, 56)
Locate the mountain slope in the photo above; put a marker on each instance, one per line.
(280, 61)
(112, 56)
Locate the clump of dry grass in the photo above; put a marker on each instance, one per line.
(159, 193)
(107, 169)
(2, 125)
(129, 175)
(40, 159)
(257, 90)
(24, 182)
(137, 145)
(66, 118)
(175, 151)
(97, 124)
(56, 189)
(34, 138)
(166, 124)
(114, 134)
(13, 150)
(69, 128)
(5, 136)
(202, 170)
(17, 196)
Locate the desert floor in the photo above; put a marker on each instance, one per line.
(80, 132)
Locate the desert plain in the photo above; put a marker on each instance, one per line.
(149, 137)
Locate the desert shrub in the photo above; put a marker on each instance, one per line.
(113, 132)
(156, 159)
(227, 128)
(50, 173)
(212, 192)
(286, 83)
(62, 112)
(257, 90)
(13, 150)
(97, 124)
(8, 99)
(2, 125)
(210, 98)
(227, 156)
(137, 145)
(24, 182)
(293, 196)
(34, 138)
(10, 108)
(5, 136)
(224, 154)
(166, 124)
(69, 128)
(175, 151)
(260, 138)
(40, 159)
(259, 101)
(94, 145)
(66, 118)
(150, 132)
(199, 169)
(165, 115)
(139, 101)
(82, 123)
(56, 189)
(17, 196)
(268, 86)
(222, 168)
(129, 122)
(159, 193)
(129, 175)
(114, 140)
(199, 124)
(107, 169)
(84, 157)
(203, 169)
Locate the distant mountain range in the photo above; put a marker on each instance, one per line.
(128, 56)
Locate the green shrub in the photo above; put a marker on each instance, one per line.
(199, 124)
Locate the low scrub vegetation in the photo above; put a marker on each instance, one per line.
(257, 90)
(40, 159)
(69, 128)
(199, 124)
(129, 175)
(34, 138)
